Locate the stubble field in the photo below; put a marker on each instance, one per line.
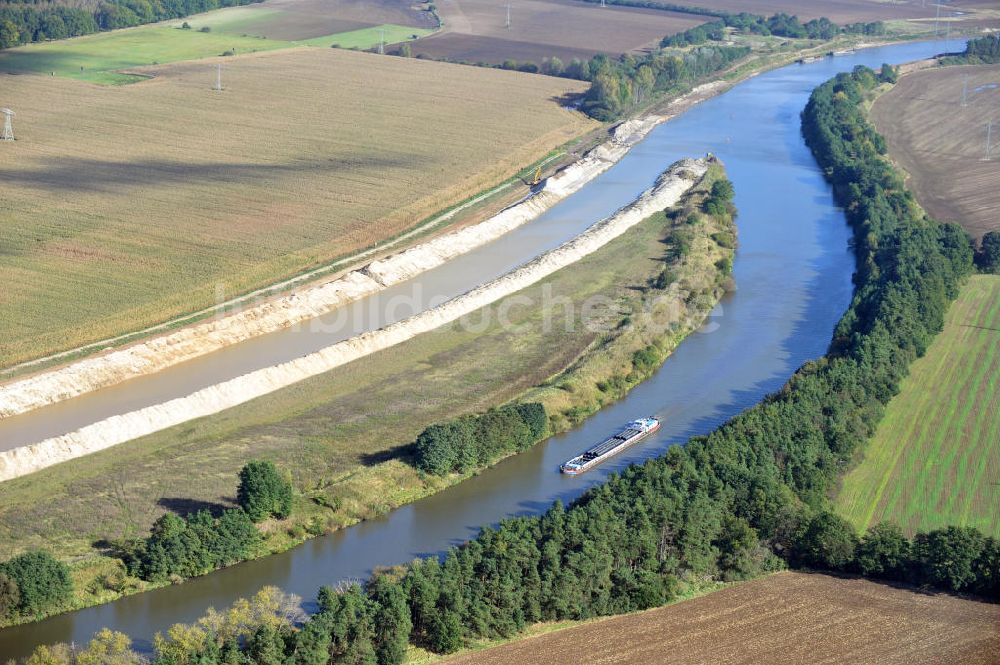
(124, 206)
(941, 144)
(935, 458)
(476, 30)
(786, 618)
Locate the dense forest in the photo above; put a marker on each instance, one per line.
(25, 22)
(750, 497)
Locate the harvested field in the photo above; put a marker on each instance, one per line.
(785, 618)
(935, 459)
(838, 11)
(475, 30)
(941, 144)
(161, 195)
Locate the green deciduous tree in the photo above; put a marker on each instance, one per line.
(10, 596)
(883, 552)
(42, 582)
(263, 492)
(947, 557)
(828, 541)
(988, 256)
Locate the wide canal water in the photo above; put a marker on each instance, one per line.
(793, 275)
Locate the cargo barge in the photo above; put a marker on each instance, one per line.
(635, 430)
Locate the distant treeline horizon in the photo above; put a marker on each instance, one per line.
(28, 22)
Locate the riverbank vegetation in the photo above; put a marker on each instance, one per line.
(347, 438)
(980, 51)
(33, 584)
(475, 441)
(778, 25)
(751, 496)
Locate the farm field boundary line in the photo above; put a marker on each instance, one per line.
(669, 188)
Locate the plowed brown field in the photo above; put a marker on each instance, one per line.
(476, 30)
(785, 618)
(941, 143)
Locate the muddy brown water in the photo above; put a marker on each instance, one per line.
(793, 273)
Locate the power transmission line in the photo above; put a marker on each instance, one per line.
(8, 126)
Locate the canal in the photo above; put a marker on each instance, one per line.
(793, 274)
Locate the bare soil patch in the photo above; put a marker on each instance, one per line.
(490, 50)
(476, 30)
(784, 618)
(941, 144)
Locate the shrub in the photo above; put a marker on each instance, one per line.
(185, 547)
(42, 582)
(988, 256)
(263, 492)
(464, 443)
(10, 597)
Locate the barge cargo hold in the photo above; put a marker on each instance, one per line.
(635, 430)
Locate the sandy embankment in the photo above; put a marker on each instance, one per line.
(669, 188)
(203, 338)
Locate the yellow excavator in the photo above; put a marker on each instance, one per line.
(537, 178)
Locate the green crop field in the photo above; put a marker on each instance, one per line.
(935, 459)
(100, 58)
(366, 38)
